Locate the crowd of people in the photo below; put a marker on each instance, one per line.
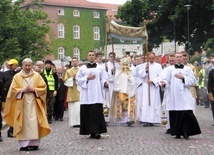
(98, 94)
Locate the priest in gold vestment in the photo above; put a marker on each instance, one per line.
(123, 103)
(73, 95)
(25, 107)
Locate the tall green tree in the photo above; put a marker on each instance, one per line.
(168, 16)
(23, 29)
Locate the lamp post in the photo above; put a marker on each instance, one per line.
(175, 35)
(188, 8)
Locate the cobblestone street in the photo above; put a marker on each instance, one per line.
(121, 140)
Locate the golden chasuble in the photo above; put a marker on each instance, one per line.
(120, 101)
(73, 94)
(17, 110)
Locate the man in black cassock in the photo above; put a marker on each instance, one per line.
(179, 78)
(91, 80)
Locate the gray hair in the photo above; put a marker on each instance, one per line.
(27, 60)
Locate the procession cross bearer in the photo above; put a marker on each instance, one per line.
(151, 107)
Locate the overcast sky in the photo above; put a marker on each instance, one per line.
(109, 1)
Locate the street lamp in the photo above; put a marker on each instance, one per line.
(175, 34)
(188, 8)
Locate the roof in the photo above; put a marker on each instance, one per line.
(70, 3)
(111, 8)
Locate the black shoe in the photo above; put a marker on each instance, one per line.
(56, 119)
(145, 124)
(24, 148)
(9, 134)
(97, 136)
(92, 136)
(168, 131)
(186, 136)
(178, 136)
(1, 138)
(130, 123)
(33, 147)
(76, 126)
(49, 120)
(150, 124)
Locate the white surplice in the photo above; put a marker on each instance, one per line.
(91, 91)
(180, 97)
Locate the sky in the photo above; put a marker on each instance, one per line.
(109, 1)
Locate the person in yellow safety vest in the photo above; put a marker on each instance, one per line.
(52, 80)
(202, 89)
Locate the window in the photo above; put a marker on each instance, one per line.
(96, 14)
(61, 12)
(76, 30)
(77, 53)
(76, 13)
(61, 31)
(61, 53)
(96, 33)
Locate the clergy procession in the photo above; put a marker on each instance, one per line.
(101, 94)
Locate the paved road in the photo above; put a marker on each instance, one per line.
(121, 140)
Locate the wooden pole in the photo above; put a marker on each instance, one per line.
(149, 95)
(106, 41)
(146, 54)
(112, 46)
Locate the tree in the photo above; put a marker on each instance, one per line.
(131, 12)
(163, 15)
(23, 30)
